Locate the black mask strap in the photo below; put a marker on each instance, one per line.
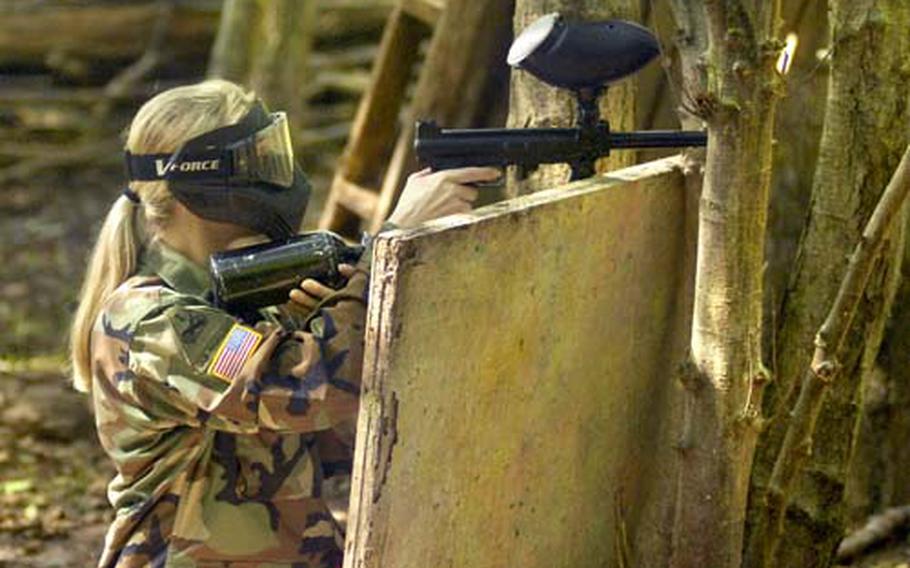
(200, 158)
(132, 195)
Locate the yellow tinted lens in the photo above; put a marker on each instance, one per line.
(272, 159)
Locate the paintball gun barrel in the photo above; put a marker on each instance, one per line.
(527, 148)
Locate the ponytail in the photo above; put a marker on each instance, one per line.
(113, 260)
(162, 124)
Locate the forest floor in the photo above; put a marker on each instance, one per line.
(53, 509)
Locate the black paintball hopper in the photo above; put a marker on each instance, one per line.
(582, 55)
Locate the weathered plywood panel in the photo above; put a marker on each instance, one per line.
(518, 372)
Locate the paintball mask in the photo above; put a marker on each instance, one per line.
(243, 173)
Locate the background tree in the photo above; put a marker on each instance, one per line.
(232, 51)
(266, 45)
(736, 87)
(842, 198)
(864, 136)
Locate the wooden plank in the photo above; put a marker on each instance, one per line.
(364, 157)
(358, 199)
(450, 90)
(100, 30)
(517, 377)
(400, 166)
(427, 11)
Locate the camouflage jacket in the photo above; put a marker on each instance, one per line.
(221, 430)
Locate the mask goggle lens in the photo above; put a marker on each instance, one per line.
(267, 155)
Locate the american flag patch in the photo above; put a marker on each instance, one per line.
(238, 345)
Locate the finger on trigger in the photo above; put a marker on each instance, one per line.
(314, 288)
(346, 270)
(472, 174)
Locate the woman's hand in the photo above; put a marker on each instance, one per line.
(312, 292)
(428, 195)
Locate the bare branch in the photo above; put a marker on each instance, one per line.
(879, 528)
(767, 19)
(716, 12)
(126, 81)
(825, 366)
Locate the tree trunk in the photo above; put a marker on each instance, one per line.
(535, 104)
(878, 474)
(266, 46)
(232, 51)
(724, 379)
(860, 148)
(281, 66)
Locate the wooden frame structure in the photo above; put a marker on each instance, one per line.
(464, 35)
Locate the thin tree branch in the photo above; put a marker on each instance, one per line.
(825, 366)
(691, 44)
(767, 19)
(716, 12)
(126, 81)
(879, 528)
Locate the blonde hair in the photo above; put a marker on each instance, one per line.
(162, 125)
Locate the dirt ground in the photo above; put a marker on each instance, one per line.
(53, 509)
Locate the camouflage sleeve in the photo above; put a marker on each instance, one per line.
(336, 448)
(196, 364)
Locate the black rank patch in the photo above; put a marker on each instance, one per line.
(189, 325)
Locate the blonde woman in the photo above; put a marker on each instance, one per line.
(221, 429)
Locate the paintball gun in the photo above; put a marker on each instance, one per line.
(584, 57)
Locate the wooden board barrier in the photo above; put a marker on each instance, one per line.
(519, 379)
